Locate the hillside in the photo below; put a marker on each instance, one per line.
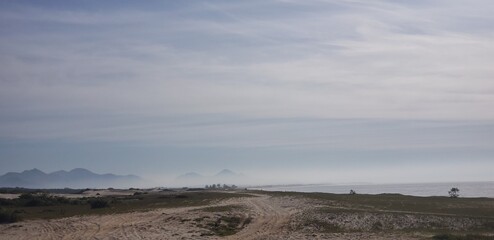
(75, 178)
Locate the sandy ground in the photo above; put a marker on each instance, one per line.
(103, 192)
(272, 218)
(9, 195)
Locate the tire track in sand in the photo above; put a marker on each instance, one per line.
(269, 219)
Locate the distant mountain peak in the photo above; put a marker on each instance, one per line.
(80, 170)
(226, 172)
(190, 175)
(33, 171)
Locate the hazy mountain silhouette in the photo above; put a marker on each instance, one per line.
(229, 177)
(225, 173)
(190, 175)
(225, 176)
(76, 178)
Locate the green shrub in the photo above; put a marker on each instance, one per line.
(99, 203)
(8, 216)
(36, 200)
(460, 237)
(6, 202)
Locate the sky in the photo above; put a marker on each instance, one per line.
(283, 91)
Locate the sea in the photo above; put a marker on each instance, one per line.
(467, 189)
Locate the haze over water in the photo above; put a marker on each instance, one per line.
(467, 189)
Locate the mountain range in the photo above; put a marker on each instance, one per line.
(75, 178)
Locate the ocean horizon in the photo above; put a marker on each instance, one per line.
(467, 189)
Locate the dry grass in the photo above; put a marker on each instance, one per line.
(116, 204)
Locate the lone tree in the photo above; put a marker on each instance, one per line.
(352, 192)
(454, 192)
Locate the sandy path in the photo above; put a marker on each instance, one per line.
(269, 219)
(156, 224)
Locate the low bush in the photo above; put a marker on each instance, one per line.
(8, 216)
(6, 202)
(459, 237)
(99, 203)
(225, 225)
(35, 200)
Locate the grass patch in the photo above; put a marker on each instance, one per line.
(323, 227)
(464, 207)
(225, 225)
(225, 208)
(41, 199)
(18, 190)
(99, 203)
(404, 214)
(461, 237)
(7, 216)
(46, 207)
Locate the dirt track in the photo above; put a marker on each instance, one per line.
(158, 224)
(270, 219)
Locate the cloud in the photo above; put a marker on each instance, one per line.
(138, 75)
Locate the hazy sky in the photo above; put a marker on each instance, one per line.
(286, 90)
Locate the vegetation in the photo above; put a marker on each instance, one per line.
(322, 226)
(43, 199)
(18, 190)
(454, 192)
(226, 225)
(397, 203)
(222, 187)
(395, 212)
(224, 208)
(462, 237)
(8, 216)
(42, 206)
(227, 220)
(37, 200)
(99, 203)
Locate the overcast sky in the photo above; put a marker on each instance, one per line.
(323, 90)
